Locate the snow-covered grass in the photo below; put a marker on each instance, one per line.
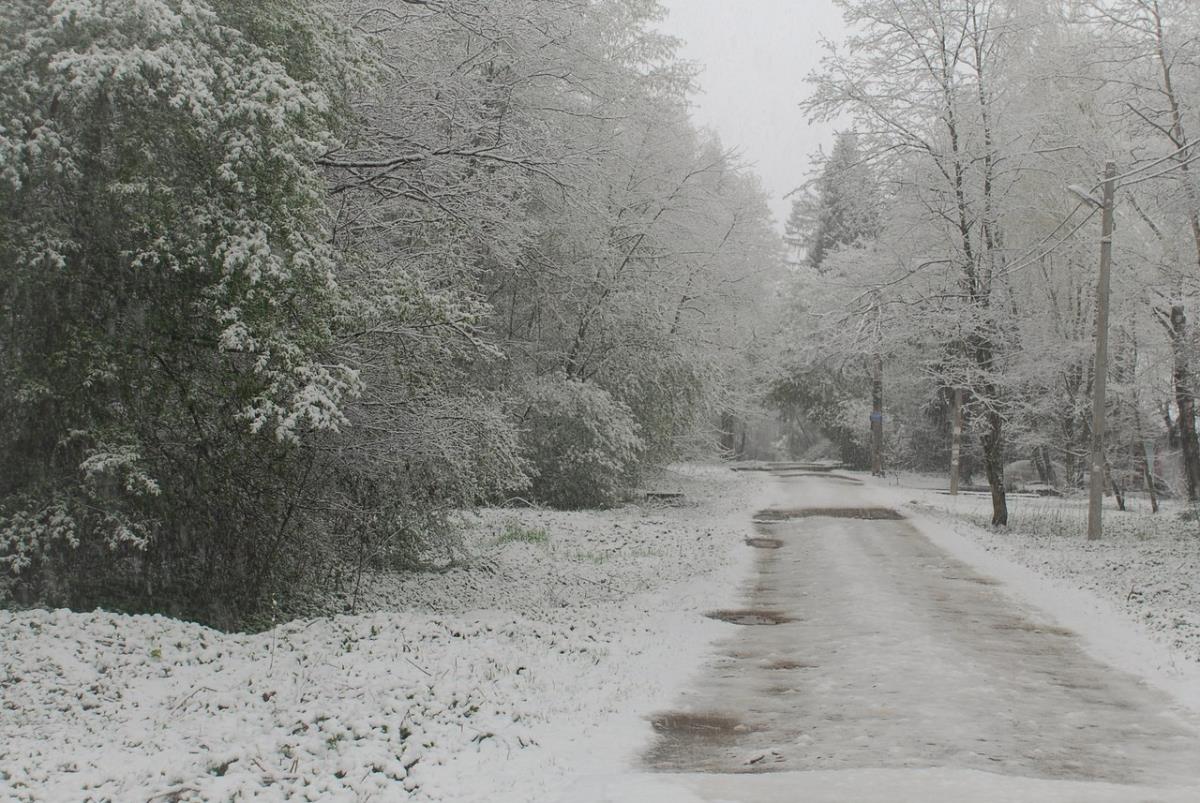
(1147, 565)
(497, 680)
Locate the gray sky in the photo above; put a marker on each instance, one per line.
(755, 55)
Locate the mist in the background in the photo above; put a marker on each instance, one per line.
(755, 56)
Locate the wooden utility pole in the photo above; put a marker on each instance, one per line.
(956, 442)
(877, 416)
(1100, 370)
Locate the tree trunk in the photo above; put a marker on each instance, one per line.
(1069, 454)
(983, 353)
(1178, 319)
(1172, 431)
(1148, 477)
(1038, 465)
(728, 425)
(1045, 466)
(1184, 401)
(1048, 462)
(993, 461)
(1116, 488)
(956, 442)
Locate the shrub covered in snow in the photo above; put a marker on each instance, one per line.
(582, 443)
(165, 302)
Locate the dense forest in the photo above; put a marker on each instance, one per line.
(951, 237)
(284, 284)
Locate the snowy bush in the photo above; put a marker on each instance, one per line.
(669, 401)
(166, 292)
(583, 445)
(398, 481)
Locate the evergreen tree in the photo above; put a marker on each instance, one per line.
(841, 208)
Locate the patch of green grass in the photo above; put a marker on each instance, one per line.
(515, 532)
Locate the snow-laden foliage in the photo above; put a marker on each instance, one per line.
(555, 174)
(840, 208)
(979, 124)
(583, 444)
(277, 276)
(166, 287)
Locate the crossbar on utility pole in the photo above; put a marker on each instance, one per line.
(1100, 371)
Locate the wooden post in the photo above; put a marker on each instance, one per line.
(956, 442)
(1148, 474)
(1118, 494)
(1100, 371)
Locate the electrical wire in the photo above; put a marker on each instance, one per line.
(1022, 265)
(1049, 236)
(1161, 172)
(1117, 182)
(1146, 166)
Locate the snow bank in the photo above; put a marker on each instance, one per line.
(498, 681)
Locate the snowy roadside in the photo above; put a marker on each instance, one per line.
(1133, 595)
(497, 682)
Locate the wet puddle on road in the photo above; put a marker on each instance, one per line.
(750, 617)
(869, 513)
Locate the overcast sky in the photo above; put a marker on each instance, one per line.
(755, 55)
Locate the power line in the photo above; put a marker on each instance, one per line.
(1021, 265)
(1147, 166)
(1053, 232)
(1060, 243)
(1053, 248)
(1178, 166)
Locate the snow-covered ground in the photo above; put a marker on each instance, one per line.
(528, 674)
(497, 681)
(1146, 565)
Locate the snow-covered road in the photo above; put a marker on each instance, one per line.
(899, 672)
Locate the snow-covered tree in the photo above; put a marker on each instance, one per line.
(166, 284)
